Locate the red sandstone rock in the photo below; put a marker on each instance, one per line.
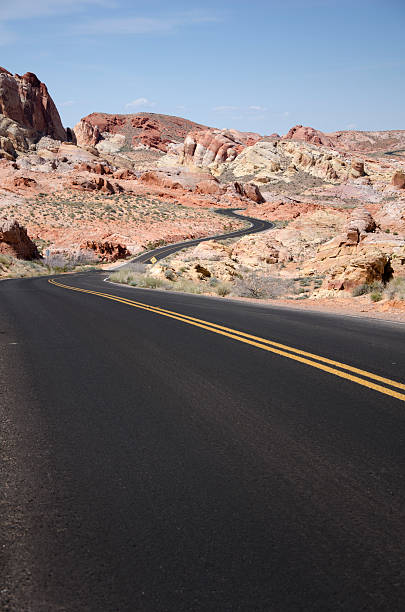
(250, 191)
(308, 134)
(357, 168)
(23, 181)
(107, 251)
(148, 129)
(209, 146)
(398, 180)
(94, 168)
(15, 241)
(125, 175)
(160, 179)
(26, 100)
(96, 184)
(208, 187)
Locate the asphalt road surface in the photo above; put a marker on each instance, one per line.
(179, 453)
(256, 226)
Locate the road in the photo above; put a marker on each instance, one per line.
(256, 226)
(180, 453)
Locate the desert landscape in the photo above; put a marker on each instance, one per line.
(202, 306)
(115, 185)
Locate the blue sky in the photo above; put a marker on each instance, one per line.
(254, 65)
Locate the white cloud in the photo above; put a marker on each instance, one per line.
(257, 108)
(224, 109)
(67, 103)
(143, 25)
(27, 9)
(141, 103)
(18, 10)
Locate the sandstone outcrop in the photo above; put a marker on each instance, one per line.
(361, 222)
(308, 134)
(357, 168)
(349, 141)
(96, 184)
(14, 241)
(205, 148)
(24, 181)
(111, 133)
(249, 191)
(360, 255)
(94, 168)
(107, 251)
(25, 100)
(398, 180)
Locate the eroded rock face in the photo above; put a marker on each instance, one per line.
(149, 130)
(14, 241)
(398, 180)
(25, 100)
(360, 255)
(357, 168)
(249, 191)
(361, 222)
(96, 184)
(207, 147)
(107, 250)
(350, 141)
(308, 134)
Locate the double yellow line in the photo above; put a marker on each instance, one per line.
(343, 370)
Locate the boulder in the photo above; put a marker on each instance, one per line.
(360, 223)
(14, 241)
(398, 180)
(23, 181)
(357, 168)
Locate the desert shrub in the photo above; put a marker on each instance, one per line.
(136, 268)
(362, 289)
(150, 282)
(188, 286)
(365, 288)
(223, 289)
(259, 286)
(170, 274)
(376, 296)
(133, 277)
(5, 260)
(395, 289)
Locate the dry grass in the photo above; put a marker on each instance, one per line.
(10, 267)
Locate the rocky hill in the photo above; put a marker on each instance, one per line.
(112, 133)
(27, 112)
(388, 142)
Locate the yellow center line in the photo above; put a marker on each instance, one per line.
(262, 343)
(256, 338)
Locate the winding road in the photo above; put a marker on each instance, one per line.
(165, 452)
(256, 226)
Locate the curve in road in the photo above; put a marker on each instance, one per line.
(256, 226)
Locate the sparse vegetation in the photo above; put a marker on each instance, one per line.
(11, 267)
(260, 286)
(375, 288)
(395, 289)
